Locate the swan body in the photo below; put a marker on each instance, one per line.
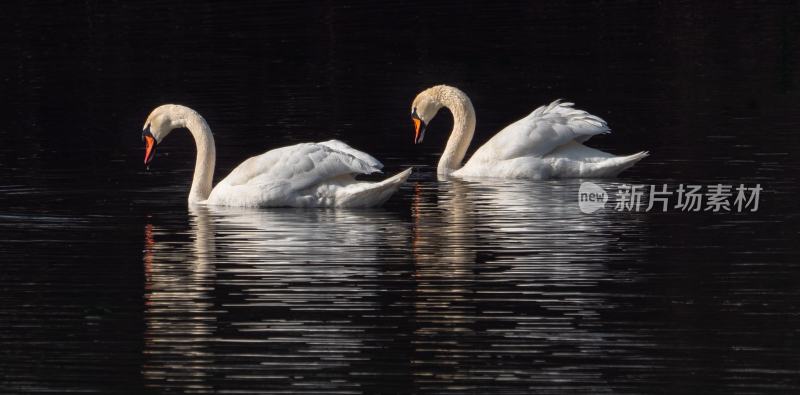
(301, 175)
(548, 143)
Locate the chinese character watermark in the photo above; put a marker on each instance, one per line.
(689, 197)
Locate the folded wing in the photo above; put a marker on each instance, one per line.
(303, 165)
(541, 132)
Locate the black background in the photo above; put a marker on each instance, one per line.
(78, 79)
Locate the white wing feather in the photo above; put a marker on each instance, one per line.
(303, 165)
(541, 132)
(337, 145)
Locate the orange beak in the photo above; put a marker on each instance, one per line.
(419, 130)
(150, 149)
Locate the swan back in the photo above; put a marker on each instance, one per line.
(542, 131)
(278, 174)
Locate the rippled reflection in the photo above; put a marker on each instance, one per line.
(260, 296)
(488, 284)
(179, 306)
(506, 284)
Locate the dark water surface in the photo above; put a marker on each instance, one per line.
(109, 283)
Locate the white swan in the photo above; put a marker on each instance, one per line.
(545, 144)
(302, 175)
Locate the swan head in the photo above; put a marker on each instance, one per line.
(158, 125)
(425, 106)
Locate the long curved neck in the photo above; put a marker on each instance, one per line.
(206, 156)
(463, 128)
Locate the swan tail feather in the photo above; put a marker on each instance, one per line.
(376, 193)
(613, 166)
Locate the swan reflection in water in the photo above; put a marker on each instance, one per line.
(485, 282)
(180, 318)
(248, 297)
(508, 279)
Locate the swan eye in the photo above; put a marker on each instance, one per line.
(146, 132)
